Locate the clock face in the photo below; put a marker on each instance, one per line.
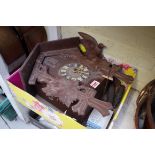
(74, 72)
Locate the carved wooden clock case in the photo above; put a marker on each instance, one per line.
(63, 75)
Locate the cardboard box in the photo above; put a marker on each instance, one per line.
(25, 94)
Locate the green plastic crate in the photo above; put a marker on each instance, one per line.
(7, 110)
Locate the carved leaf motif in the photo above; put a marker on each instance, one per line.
(69, 91)
(86, 98)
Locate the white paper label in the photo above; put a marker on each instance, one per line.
(94, 84)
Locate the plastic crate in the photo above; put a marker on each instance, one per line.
(7, 110)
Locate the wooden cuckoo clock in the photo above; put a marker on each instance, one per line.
(68, 78)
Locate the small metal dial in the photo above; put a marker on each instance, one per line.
(74, 72)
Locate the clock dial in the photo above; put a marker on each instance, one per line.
(74, 72)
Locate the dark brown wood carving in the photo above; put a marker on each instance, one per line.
(95, 51)
(70, 91)
(64, 77)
